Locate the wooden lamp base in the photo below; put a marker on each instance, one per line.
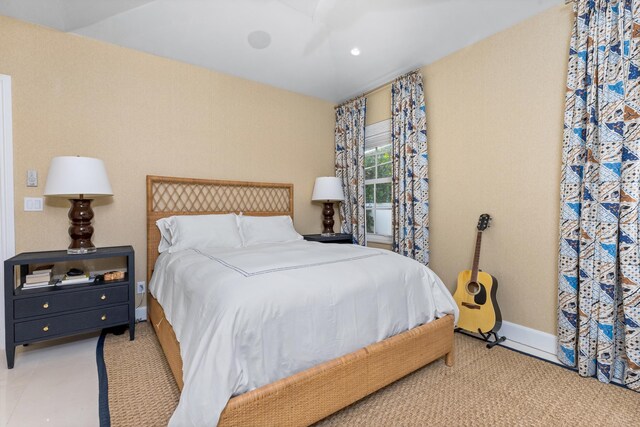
(81, 229)
(327, 220)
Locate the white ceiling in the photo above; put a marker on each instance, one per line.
(310, 39)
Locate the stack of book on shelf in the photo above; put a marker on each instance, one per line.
(75, 279)
(39, 278)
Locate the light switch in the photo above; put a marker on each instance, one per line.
(33, 204)
(32, 178)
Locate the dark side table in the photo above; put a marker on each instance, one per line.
(335, 238)
(40, 314)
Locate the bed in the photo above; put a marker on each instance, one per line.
(311, 394)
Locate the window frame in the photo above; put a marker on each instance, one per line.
(378, 135)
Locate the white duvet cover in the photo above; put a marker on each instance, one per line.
(250, 316)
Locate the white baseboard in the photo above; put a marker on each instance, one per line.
(531, 341)
(141, 314)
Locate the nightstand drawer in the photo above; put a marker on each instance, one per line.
(49, 304)
(69, 323)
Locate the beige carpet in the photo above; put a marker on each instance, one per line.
(497, 387)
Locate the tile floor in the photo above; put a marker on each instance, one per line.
(53, 383)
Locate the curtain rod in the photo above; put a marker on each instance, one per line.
(378, 88)
(375, 89)
(388, 84)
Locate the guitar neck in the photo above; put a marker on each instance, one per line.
(476, 258)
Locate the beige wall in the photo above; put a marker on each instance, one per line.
(378, 105)
(494, 122)
(144, 115)
(494, 117)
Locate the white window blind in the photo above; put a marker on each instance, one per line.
(378, 161)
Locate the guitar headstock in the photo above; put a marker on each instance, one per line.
(483, 222)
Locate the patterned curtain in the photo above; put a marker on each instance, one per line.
(599, 264)
(410, 166)
(349, 136)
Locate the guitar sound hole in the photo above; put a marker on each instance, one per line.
(473, 288)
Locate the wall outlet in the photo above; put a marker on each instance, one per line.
(33, 204)
(141, 287)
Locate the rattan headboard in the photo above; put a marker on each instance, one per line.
(168, 196)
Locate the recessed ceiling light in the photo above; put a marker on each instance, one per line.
(259, 39)
(355, 51)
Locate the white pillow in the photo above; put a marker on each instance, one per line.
(199, 231)
(164, 225)
(267, 229)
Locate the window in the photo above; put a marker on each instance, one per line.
(378, 169)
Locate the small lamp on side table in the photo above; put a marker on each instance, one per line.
(79, 179)
(328, 189)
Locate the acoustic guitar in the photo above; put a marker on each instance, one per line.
(476, 293)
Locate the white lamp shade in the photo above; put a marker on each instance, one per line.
(71, 176)
(327, 189)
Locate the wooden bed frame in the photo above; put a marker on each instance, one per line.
(315, 393)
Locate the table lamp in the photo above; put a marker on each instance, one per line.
(79, 179)
(328, 189)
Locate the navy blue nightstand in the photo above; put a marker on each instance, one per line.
(335, 238)
(33, 315)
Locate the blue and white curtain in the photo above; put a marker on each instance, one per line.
(410, 168)
(349, 136)
(599, 260)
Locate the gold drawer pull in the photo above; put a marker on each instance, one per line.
(104, 317)
(103, 297)
(46, 328)
(45, 305)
